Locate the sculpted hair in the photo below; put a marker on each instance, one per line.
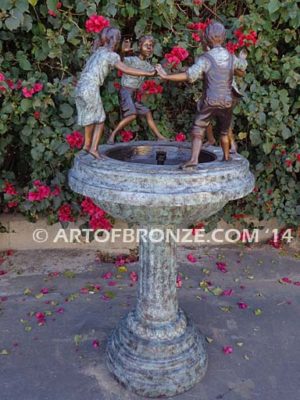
(214, 33)
(143, 39)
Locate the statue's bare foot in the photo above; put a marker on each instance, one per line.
(95, 154)
(111, 139)
(233, 149)
(208, 143)
(226, 159)
(86, 149)
(191, 164)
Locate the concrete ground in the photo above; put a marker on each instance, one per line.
(54, 355)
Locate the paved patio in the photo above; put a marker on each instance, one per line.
(54, 355)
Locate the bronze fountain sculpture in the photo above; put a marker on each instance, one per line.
(156, 350)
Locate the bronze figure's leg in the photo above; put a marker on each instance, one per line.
(154, 128)
(225, 144)
(98, 131)
(233, 145)
(121, 125)
(211, 141)
(196, 149)
(88, 135)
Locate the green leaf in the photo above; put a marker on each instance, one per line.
(22, 5)
(26, 104)
(33, 2)
(216, 291)
(51, 4)
(69, 274)
(66, 110)
(273, 6)
(6, 5)
(267, 147)
(145, 4)
(140, 27)
(4, 352)
(15, 20)
(77, 339)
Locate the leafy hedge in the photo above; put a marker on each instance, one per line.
(44, 45)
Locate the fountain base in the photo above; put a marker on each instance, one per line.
(155, 359)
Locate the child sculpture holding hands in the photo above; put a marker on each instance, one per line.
(89, 106)
(130, 85)
(216, 67)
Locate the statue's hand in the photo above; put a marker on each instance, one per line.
(243, 54)
(161, 72)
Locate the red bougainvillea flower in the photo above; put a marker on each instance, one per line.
(37, 87)
(119, 73)
(239, 216)
(107, 275)
(151, 87)
(227, 349)
(56, 191)
(196, 37)
(227, 292)
(96, 344)
(288, 163)
(298, 157)
(2, 272)
(9, 189)
(52, 13)
(179, 281)
(222, 266)
(97, 215)
(44, 290)
(90, 208)
(242, 305)
(99, 222)
(10, 84)
(42, 192)
(75, 139)
(180, 137)
(96, 23)
(9, 252)
(176, 55)
(297, 283)
(117, 85)
(41, 318)
(60, 310)
(27, 92)
(191, 258)
(199, 26)
(242, 40)
(37, 115)
(133, 276)
(112, 283)
(286, 280)
(198, 2)
(197, 228)
(59, 5)
(65, 213)
(2, 77)
(126, 136)
(54, 274)
(12, 204)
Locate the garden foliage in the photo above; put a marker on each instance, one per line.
(44, 45)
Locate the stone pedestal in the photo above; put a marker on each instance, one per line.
(156, 350)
